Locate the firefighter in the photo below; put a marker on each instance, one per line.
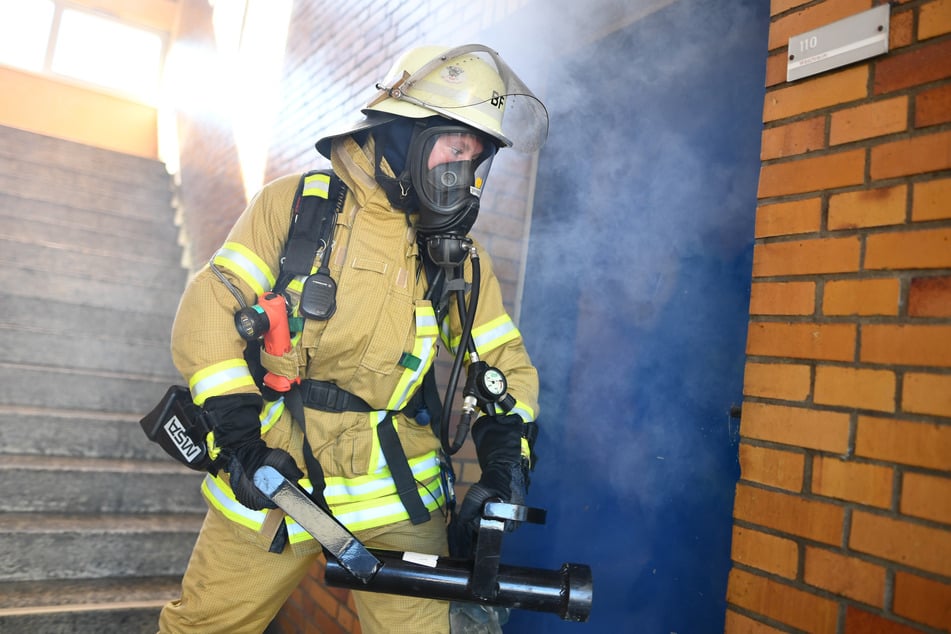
(414, 166)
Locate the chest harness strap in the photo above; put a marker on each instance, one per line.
(327, 397)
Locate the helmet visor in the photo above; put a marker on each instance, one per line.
(524, 120)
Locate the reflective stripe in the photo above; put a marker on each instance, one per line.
(246, 264)
(271, 413)
(220, 495)
(523, 410)
(486, 337)
(493, 334)
(424, 350)
(219, 379)
(317, 185)
(347, 490)
(387, 510)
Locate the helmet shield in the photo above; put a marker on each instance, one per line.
(448, 166)
(470, 84)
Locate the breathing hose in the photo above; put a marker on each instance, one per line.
(465, 344)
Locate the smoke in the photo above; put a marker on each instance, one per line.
(637, 283)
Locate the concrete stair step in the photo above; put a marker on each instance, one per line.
(75, 433)
(76, 288)
(24, 385)
(14, 209)
(122, 177)
(48, 239)
(104, 606)
(88, 351)
(39, 148)
(35, 547)
(106, 264)
(101, 199)
(60, 317)
(45, 484)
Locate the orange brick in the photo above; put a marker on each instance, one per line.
(794, 138)
(906, 442)
(869, 120)
(855, 387)
(739, 624)
(772, 467)
(861, 622)
(901, 30)
(930, 297)
(815, 16)
(796, 426)
(804, 175)
(853, 481)
(828, 342)
(927, 394)
(815, 93)
(781, 6)
(931, 200)
(922, 249)
(755, 549)
(917, 155)
(776, 69)
(911, 544)
(789, 513)
(807, 257)
(934, 19)
(912, 68)
(798, 216)
(845, 576)
(906, 345)
(868, 208)
(783, 298)
(926, 496)
(781, 602)
(933, 106)
(784, 381)
(923, 600)
(861, 297)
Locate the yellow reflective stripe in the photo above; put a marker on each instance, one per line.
(495, 333)
(271, 413)
(220, 496)
(219, 379)
(424, 350)
(346, 490)
(489, 336)
(246, 264)
(386, 510)
(317, 185)
(523, 410)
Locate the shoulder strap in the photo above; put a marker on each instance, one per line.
(317, 200)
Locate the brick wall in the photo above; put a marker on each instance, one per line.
(843, 510)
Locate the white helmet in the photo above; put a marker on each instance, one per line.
(469, 84)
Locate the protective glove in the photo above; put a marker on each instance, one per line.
(498, 441)
(236, 422)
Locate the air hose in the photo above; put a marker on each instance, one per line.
(467, 314)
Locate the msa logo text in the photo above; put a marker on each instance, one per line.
(185, 445)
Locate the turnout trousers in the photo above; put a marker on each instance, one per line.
(234, 586)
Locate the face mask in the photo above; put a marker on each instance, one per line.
(448, 165)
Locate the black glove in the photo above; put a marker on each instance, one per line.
(498, 441)
(237, 427)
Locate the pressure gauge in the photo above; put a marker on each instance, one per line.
(493, 384)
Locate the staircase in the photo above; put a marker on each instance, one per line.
(96, 522)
